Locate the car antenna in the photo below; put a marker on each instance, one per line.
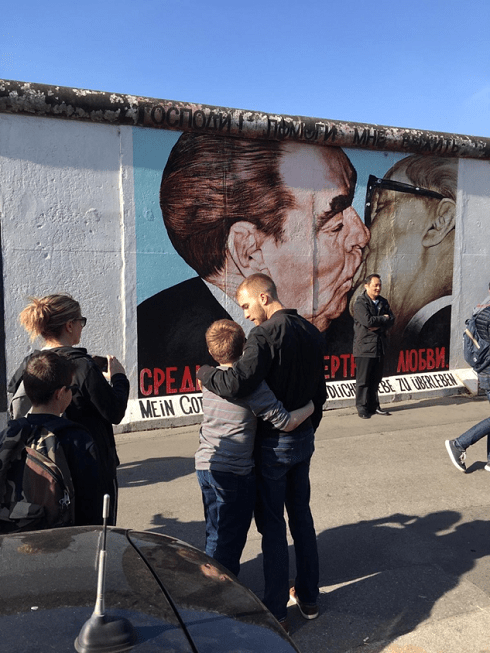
(102, 633)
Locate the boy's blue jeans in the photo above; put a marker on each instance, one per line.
(229, 501)
(476, 433)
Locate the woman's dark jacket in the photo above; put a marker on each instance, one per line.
(367, 343)
(96, 404)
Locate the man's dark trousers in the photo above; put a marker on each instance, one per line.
(283, 481)
(369, 374)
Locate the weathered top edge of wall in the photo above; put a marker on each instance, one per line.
(117, 109)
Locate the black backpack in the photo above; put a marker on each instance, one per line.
(36, 488)
(476, 346)
(20, 404)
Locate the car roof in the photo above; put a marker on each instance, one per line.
(174, 595)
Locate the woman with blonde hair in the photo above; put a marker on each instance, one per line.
(97, 403)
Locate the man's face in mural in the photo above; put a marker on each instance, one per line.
(410, 247)
(323, 237)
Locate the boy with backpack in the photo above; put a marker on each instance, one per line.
(49, 469)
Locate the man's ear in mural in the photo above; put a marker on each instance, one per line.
(443, 220)
(244, 245)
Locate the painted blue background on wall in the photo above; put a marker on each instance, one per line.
(158, 265)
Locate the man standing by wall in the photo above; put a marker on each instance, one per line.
(287, 351)
(372, 318)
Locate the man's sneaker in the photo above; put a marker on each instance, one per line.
(308, 610)
(487, 467)
(457, 456)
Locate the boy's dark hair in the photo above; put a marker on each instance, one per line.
(225, 340)
(46, 372)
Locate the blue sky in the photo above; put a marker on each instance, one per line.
(423, 64)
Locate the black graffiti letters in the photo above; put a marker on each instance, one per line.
(186, 118)
(374, 137)
(285, 128)
(434, 144)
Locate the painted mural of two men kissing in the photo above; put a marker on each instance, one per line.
(411, 214)
(236, 207)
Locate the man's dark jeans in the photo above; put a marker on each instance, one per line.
(475, 433)
(281, 481)
(479, 431)
(228, 501)
(369, 374)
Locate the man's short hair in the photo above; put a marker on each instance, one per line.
(370, 277)
(45, 373)
(434, 173)
(225, 340)
(211, 182)
(257, 283)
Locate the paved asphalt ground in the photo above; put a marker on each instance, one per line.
(404, 537)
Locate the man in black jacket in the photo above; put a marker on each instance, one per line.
(286, 351)
(372, 318)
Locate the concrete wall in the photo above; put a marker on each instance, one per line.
(81, 212)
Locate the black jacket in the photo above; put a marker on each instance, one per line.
(287, 352)
(96, 404)
(172, 326)
(367, 343)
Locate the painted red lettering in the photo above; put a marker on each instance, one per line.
(431, 361)
(335, 365)
(401, 367)
(326, 359)
(441, 357)
(145, 390)
(158, 379)
(187, 384)
(170, 380)
(412, 360)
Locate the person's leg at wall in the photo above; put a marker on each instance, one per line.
(457, 448)
(305, 591)
(378, 377)
(236, 501)
(210, 510)
(228, 501)
(269, 518)
(362, 387)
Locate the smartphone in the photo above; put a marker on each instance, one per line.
(101, 362)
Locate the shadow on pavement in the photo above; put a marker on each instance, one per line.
(191, 532)
(382, 578)
(154, 470)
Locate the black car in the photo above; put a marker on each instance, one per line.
(175, 597)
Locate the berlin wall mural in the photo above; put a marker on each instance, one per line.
(211, 210)
(151, 213)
